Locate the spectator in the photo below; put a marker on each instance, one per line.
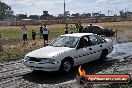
(71, 29)
(33, 36)
(66, 29)
(45, 34)
(80, 28)
(24, 33)
(1, 48)
(77, 27)
(41, 32)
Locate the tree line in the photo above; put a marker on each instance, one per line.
(5, 11)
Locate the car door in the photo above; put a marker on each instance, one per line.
(89, 51)
(102, 42)
(81, 52)
(95, 47)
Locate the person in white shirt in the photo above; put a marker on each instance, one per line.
(24, 33)
(45, 34)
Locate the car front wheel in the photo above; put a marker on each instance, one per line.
(66, 65)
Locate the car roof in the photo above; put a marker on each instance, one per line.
(78, 34)
(95, 25)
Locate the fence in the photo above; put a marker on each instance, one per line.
(62, 21)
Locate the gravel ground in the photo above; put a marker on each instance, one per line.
(16, 75)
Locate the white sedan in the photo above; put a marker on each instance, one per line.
(67, 51)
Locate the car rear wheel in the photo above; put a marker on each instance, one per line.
(66, 65)
(104, 54)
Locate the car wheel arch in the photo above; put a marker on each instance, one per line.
(104, 53)
(69, 58)
(66, 58)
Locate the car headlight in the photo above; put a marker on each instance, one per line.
(48, 60)
(26, 58)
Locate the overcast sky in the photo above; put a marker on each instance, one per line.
(55, 7)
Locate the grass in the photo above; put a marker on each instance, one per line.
(15, 52)
(15, 32)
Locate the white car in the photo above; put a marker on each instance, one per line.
(67, 51)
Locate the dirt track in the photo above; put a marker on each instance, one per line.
(15, 75)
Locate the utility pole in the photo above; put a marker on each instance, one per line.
(64, 9)
(65, 17)
(108, 12)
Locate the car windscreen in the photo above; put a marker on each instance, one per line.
(65, 41)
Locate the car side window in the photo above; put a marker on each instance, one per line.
(101, 39)
(84, 42)
(94, 40)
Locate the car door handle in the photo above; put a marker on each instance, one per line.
(90, 48)
(100, 45)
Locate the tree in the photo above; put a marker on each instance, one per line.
(35, 17)
(5, 11)
(45, 15)
(21, 16)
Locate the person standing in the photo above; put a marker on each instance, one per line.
(45, 34)
(71, 29)
(41, 31)
(80, 28)
(33, 36)
(66, 29)
(77, 27)
(24, 33)
(1, 48)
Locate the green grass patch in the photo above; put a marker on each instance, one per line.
(16, 32)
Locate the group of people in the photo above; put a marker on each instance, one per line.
(73, 29)
(43, 34)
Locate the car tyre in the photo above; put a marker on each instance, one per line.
(66, 66)
(36, 71)
(104, 54)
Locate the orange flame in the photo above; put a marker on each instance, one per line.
(81, 71)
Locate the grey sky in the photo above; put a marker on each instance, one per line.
(55, 7)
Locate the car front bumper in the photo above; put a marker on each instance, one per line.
(42, 66)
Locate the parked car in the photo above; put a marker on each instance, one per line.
(96, 29)
(67, 51)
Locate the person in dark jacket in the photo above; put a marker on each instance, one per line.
(80, 28)
(66, 29)
(41, 32)
(33, 36)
